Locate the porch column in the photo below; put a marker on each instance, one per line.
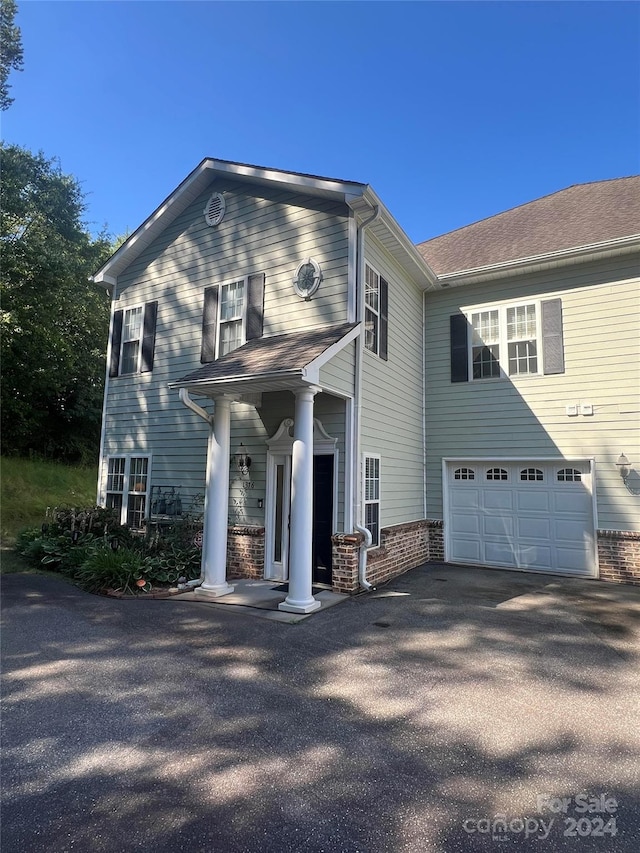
(216, 505)
(300, 599)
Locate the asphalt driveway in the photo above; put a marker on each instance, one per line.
(406, 720)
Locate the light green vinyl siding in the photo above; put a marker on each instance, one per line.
(338, 374)
(253, 427)
(392, 397)
(264, 230)
(526, 416)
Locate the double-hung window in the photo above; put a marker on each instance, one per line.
(376, 298)
(133, 339)
(517, 339)
(127, 489)
(505, 340)
(371, 493)
(232, 314)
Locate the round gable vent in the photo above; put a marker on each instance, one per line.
(214, 211)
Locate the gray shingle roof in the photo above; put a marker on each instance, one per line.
(581, 215)
(279, 353)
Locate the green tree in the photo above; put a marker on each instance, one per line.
(54, 322)
(10, 49)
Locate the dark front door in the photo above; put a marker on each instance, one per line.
(322, 517)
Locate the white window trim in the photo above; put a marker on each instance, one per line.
(503, 342)
(138, 369)
(219, 321)
(377, 501)
(366, 308)
(125, 492)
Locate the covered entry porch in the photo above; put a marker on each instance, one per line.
(299, 461)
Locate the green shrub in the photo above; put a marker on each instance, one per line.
(108, 569)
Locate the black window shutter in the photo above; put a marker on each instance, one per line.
(458, 341)
(116, 342)
(255, 306)
(149, 336)
(384, 319)
(209, 324)
(552, 338)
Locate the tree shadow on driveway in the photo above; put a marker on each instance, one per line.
(387, 723)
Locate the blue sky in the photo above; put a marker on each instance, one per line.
(451, 111)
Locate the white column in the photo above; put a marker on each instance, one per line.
(216, 505)
(300, 599)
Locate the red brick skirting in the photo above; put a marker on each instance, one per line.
(619, 556)
(402, 547)
(245, 552)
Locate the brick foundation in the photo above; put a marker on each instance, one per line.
(245, 552)
(402, 547)
(619, 556)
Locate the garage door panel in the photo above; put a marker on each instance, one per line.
(538, 557)
(496, 525)
(536, 525)
(499, 499)
(571, 559)
(534, 528)
(566, 530)
(574, 501)
(501, 553)
(465, 498)
(465, 523)
(533, 500)
(466, 551)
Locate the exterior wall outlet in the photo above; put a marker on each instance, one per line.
(586, 408)
(572, 411)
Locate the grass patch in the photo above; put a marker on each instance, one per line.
(29, 486)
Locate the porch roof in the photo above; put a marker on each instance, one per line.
(271, 363)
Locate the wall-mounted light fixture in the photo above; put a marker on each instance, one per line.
(628, 475)
(624, 467)
(242, 459)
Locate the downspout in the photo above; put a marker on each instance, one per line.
(198, 410)
(357, 479)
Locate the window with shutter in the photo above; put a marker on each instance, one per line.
(520, 339)
(232, 314)
(133, 339)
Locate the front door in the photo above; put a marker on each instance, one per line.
(279, 511)
(322, 517)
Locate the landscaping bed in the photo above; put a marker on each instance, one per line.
(96, 552)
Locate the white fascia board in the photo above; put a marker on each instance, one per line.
(326, 356)
(312, 184)
(533, 263)
(170, 208)
(243, 379)
(195, 183)
(408, 256)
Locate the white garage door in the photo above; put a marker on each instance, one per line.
(528, 515)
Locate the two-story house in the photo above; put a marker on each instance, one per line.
(351, 405)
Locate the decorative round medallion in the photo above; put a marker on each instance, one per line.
(214, 211)
(307, 278)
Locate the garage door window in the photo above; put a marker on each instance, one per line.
(497, 474)
(464, 474)
(569, 475)
(531, 474)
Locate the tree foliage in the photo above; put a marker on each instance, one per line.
(54, 322)
(10, 49)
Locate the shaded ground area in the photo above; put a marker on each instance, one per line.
(396, 721)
